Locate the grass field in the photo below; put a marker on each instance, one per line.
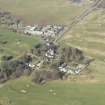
(89, 36)
(42, 11)
(53, 93)
(16, 44)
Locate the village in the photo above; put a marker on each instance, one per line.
(17, 25)
(44, 31)
(62, 61)
(52, 52)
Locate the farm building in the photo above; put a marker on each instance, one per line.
(44, 31)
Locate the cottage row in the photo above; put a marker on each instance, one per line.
(44, 30)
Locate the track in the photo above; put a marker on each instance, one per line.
(79, 18)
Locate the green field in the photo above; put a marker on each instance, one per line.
(63, 93)
(89, 36)
(16, 44)
(42, 11)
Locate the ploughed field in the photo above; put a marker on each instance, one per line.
(88, 35)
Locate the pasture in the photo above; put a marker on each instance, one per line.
(42, 11)
(88, 35)
(15, 44)
(53, 93)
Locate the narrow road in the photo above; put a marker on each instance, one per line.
(79, 18)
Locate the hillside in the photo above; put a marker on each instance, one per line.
(89, 36)
(46, 11)
(86, 31)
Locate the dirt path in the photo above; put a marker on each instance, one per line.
(80, 18)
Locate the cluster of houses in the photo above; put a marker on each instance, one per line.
(17, 25)
(77, 2)
(71, 70)
(44, 30)
(52, 53)
(49, 52)
(10, 21)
